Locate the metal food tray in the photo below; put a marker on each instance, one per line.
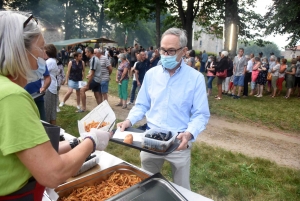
(66, 189)
(154, 188)
(37, 95)
(138, 145)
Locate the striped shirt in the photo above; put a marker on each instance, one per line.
(104, 62)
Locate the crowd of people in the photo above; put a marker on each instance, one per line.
(263, 75)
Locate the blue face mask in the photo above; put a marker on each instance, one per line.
(169, 62)
(37, 74)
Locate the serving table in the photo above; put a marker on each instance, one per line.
(107, 160)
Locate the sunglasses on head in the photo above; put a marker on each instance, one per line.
(28, 20)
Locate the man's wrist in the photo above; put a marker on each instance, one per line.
(189, 135)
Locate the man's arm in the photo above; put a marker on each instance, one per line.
(200, 111)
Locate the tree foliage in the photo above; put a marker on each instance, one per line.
(283, 17)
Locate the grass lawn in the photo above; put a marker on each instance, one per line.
(216, 173)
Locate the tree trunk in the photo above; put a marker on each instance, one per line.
(67, 21)
(189, 23)
(1, 4)
(231, 24)
(101, 19)
(158, 8)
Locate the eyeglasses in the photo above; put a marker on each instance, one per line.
(170, 52)
(28, 20)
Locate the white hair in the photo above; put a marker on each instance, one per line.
(225, 53)
(273, 57)
(177, 32)
(122, 56)
(14, 41)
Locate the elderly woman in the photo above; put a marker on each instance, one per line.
(290, 77)
(28, 160)
(221, 72)
(211, 73)
(51, 92)
(275, 74)
(75, 74)
(281, 76)
(122, 79)
(254, 75)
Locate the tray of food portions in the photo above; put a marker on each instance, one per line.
(155, 141)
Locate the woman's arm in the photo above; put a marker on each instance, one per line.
(125, 71)
(51, 169)
(83, 70)
(68, 72)
(293, 72)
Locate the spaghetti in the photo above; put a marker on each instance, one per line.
(94, 124)
(115, 184)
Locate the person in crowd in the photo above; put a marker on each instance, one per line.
(51, 92)
(141, 68)
(134, 82)
(128, 55)
(222, 66)
(272, 63)
(116, 52)
(262, 77)
(191, 61)
(133, 53)
(275, 73)
(203, 61)
(39, 86)
(239, 69)
(186, 57)
(94, 79)
(63, 55)
(122, 79)
(250, 63)
(290, 77)
(260, 55)
(254, 75)
(155, 58)
(226, 82)
(74, 75)
(150, 52)
(157, 100)
(219, 57)
(106, 52)
(281, 75)
(297, 77)
(60, 81)
(29, 163)
(106, 70)
(211, 73)
(198, 63)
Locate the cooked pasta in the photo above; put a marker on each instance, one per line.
(116, 183)
(94, 124)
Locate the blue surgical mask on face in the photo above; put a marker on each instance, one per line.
(37, 74)
(169, 62)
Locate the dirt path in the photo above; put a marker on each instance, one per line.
(238, 137)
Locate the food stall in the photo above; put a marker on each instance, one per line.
(147, 186)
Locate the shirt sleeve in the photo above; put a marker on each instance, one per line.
(142, 103)
(46, 72)
(51, 65)
(93, 64)
(20, 124)
(200, 111)
(107, 62)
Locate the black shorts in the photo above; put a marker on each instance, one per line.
(297, 81)
(95, 86)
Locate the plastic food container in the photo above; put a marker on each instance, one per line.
(158, 145)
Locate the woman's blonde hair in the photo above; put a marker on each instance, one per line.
(14, 40)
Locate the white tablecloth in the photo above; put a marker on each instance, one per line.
(107, 160)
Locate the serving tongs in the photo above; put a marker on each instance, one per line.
(101, 122)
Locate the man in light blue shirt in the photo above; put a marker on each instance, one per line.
(173, 97)
(203, 61)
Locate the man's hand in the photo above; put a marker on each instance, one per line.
(138, 84)
(184, 137)
(123, 125)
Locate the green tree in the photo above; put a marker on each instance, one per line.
(283, 17)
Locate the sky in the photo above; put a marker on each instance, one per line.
(279, 40)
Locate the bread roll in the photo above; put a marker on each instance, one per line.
(128, 139)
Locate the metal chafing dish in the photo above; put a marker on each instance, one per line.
(151, 188)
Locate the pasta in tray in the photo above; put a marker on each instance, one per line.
(93, 124)
(115, 184)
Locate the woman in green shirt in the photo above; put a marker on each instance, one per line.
(26, 153)
(290, 77)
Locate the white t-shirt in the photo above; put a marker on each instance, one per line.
(134, 79)
(53, 71)
(250, 66)
(276, 69)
